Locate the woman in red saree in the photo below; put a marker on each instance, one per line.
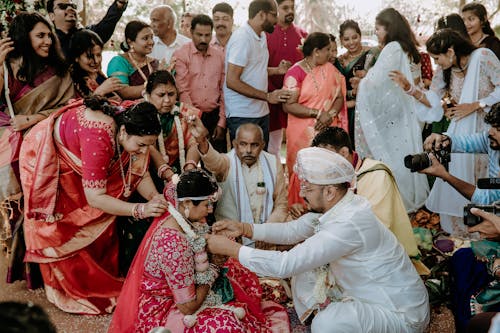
(319, 102)
(35, 80)
(171, 283)
(133, 67)
(78, 168)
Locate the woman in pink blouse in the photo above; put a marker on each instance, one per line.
(78, 168)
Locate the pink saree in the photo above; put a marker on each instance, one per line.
(317, 90)
(75, 244)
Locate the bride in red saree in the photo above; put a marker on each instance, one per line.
(171, 284)
(78, 167)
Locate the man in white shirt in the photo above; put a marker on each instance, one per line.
(245, 88)
(166, 39)
(348, 269)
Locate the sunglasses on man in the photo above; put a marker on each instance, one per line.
(64, 6)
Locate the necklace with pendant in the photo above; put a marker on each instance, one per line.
(126, 183)
(313, 76)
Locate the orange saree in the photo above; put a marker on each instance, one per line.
(317, 90)
(75, 244)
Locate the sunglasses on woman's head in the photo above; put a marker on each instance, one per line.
(64, 6)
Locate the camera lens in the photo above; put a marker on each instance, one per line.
(417, 162)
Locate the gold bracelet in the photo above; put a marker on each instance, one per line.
(313, 113)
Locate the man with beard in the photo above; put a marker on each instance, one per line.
(166, 39)
(252, 181)
(200, 76)
(63, 15)
(245, 89)
(487, 142)
(222, 14)
(282, 45)
(348, 271)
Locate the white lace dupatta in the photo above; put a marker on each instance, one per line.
(387, 126)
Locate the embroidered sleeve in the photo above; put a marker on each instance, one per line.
(97, 150)
(490, 70)
(177, 264)
(293, 78)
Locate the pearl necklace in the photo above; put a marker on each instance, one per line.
(126, 185)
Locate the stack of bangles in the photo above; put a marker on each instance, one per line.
(162, 169)
(193, 163)
(138, 212)
(412, 90)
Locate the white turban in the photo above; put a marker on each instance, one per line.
(323, 167)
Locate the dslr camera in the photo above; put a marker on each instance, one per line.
(483, 183)
(421, 161)
(471, 220)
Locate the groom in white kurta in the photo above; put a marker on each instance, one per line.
(349, 270)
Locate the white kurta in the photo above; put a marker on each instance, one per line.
(380, 289)
(387, 123)
(481, 83)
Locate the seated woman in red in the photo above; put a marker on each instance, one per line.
(171, 283)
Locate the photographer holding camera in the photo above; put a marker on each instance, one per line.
(487, 142)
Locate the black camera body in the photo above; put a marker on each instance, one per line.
(471, 220)
(422, 161)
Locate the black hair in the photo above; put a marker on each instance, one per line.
(223, 7)
(132, 29)
(333, 136)
(159, 77)
(140, 119)
(480, 11)
(332, 38)
(196, 183)
(32, 64)
(202, 19)
(17, 317)
(399, 30)
(50, 6)
(82, 41)
(454, 22)
(279, 2)
(259, 5)
(493, 117)
(442, 40)
(349, 24)
(316, 40)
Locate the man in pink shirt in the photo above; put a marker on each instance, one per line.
(200, 76)
(282, 45)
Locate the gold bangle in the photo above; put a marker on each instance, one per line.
(313, 113)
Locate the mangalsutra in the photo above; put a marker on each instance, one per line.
(126, 184)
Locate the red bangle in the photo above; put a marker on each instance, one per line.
(162, 169)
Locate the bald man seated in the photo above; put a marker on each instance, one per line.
(252, 180)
